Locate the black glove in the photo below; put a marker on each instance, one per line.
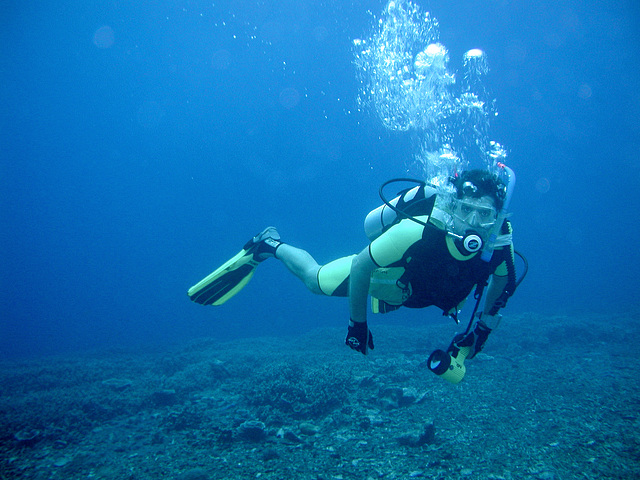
(474, 339)
(359, 337)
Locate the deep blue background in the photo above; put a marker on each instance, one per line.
(130, 172)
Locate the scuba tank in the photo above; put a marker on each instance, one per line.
(409, 203)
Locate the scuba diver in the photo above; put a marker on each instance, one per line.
(426, 248)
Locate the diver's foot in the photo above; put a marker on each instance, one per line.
(264, 244)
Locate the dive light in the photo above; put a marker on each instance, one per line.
(446, 366)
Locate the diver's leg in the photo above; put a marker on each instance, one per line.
(301, 264)
(330, 279)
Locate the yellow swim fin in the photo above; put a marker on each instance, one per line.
(231, 277)
(227, 280)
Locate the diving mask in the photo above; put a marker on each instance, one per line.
(475, 212)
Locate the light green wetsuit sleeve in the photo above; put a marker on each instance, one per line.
(390, 247)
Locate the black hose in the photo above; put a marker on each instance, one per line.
(399, 212)
(526, 268)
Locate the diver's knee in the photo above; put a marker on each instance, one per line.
(311, 281)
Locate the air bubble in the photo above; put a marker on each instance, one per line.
(407, 82)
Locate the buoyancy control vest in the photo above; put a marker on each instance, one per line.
(437, 277)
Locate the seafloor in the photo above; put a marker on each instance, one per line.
(550, 398)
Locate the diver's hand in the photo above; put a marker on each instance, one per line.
(474, 339)
(359, 338)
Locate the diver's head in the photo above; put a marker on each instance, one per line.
(479, 196)
(478, 184)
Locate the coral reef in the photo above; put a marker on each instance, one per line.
(549, 398)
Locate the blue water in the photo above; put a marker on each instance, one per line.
(143, 143)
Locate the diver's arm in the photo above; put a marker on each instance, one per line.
(476, 338)
(497, 285)
(359, 279)
(359, 337)
(490, 319)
